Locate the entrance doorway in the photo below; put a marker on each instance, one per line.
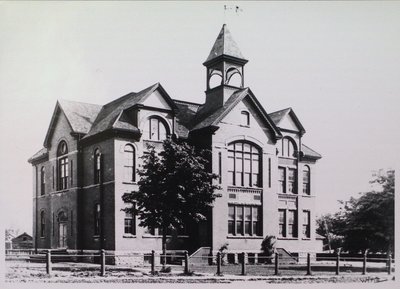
(62, 230)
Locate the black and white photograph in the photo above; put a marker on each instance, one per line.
(199, 142)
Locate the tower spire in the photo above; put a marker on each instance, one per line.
(225, 46)
(225, 69)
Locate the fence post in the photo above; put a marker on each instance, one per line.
(243, 263)
(308, 264)
(390, 263)
(219, 263)
(102, 262)
(186, 263)
(48, 262)
(276, 263)
(337, 262)
(153, 260)
(365, 263)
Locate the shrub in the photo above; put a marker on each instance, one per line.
(268, 247)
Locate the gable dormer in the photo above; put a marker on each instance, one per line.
(287, 121)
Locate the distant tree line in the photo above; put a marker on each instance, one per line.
(366, 222)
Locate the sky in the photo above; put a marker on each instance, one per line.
(337, 64)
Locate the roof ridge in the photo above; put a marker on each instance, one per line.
(188, 102)
(83, 102)
(231, 105)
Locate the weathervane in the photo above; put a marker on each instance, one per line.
(233, 8)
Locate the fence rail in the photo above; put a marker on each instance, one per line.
(244, 263)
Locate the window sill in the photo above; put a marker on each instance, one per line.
(243, 237)
(129, 236)
(129, 183)
(288, 195)
(306, 239)
(168, 236)
(152, 237)
(288, 238)
(307, 196)
(155, 141)
(61, 191)
(243, 187)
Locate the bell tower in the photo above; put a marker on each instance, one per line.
(225, 69)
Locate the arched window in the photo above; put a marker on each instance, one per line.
(42, 181)
(215, 80)
(306, 180)
(62, 152)
(129, 163)
(244, 164)
(97, 166)
(42, 223)
(96, 214)
(155, 129)
(234, 77)
(245, 118)
(288, 148)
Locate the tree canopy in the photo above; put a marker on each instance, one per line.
(175, 187)
(366, 222)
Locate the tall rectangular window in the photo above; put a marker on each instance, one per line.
(97, 166)
(244, 220)
(306, 224)
(292, 223)
(231, 168)
(72, 179)
(292, 181)
(129, 163)
(282, 223)
(282, 180)
(129, 224)
(269, 172)
(97, 219)
(239, 220)
(256, 218)
(63, 172)
(247, 220)
(231, 219)
(306, 180)
(220, 167)
(42, 181)
(42, 224)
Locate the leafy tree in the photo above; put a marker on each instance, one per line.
(331, 227)
(175, 188)
(366, 222)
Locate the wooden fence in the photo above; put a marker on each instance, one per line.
(272, 265)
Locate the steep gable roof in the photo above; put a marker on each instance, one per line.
(224, 45)
(109, 115)
(185, 115)
(80, 116)
(279, 116)
(217, 115)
